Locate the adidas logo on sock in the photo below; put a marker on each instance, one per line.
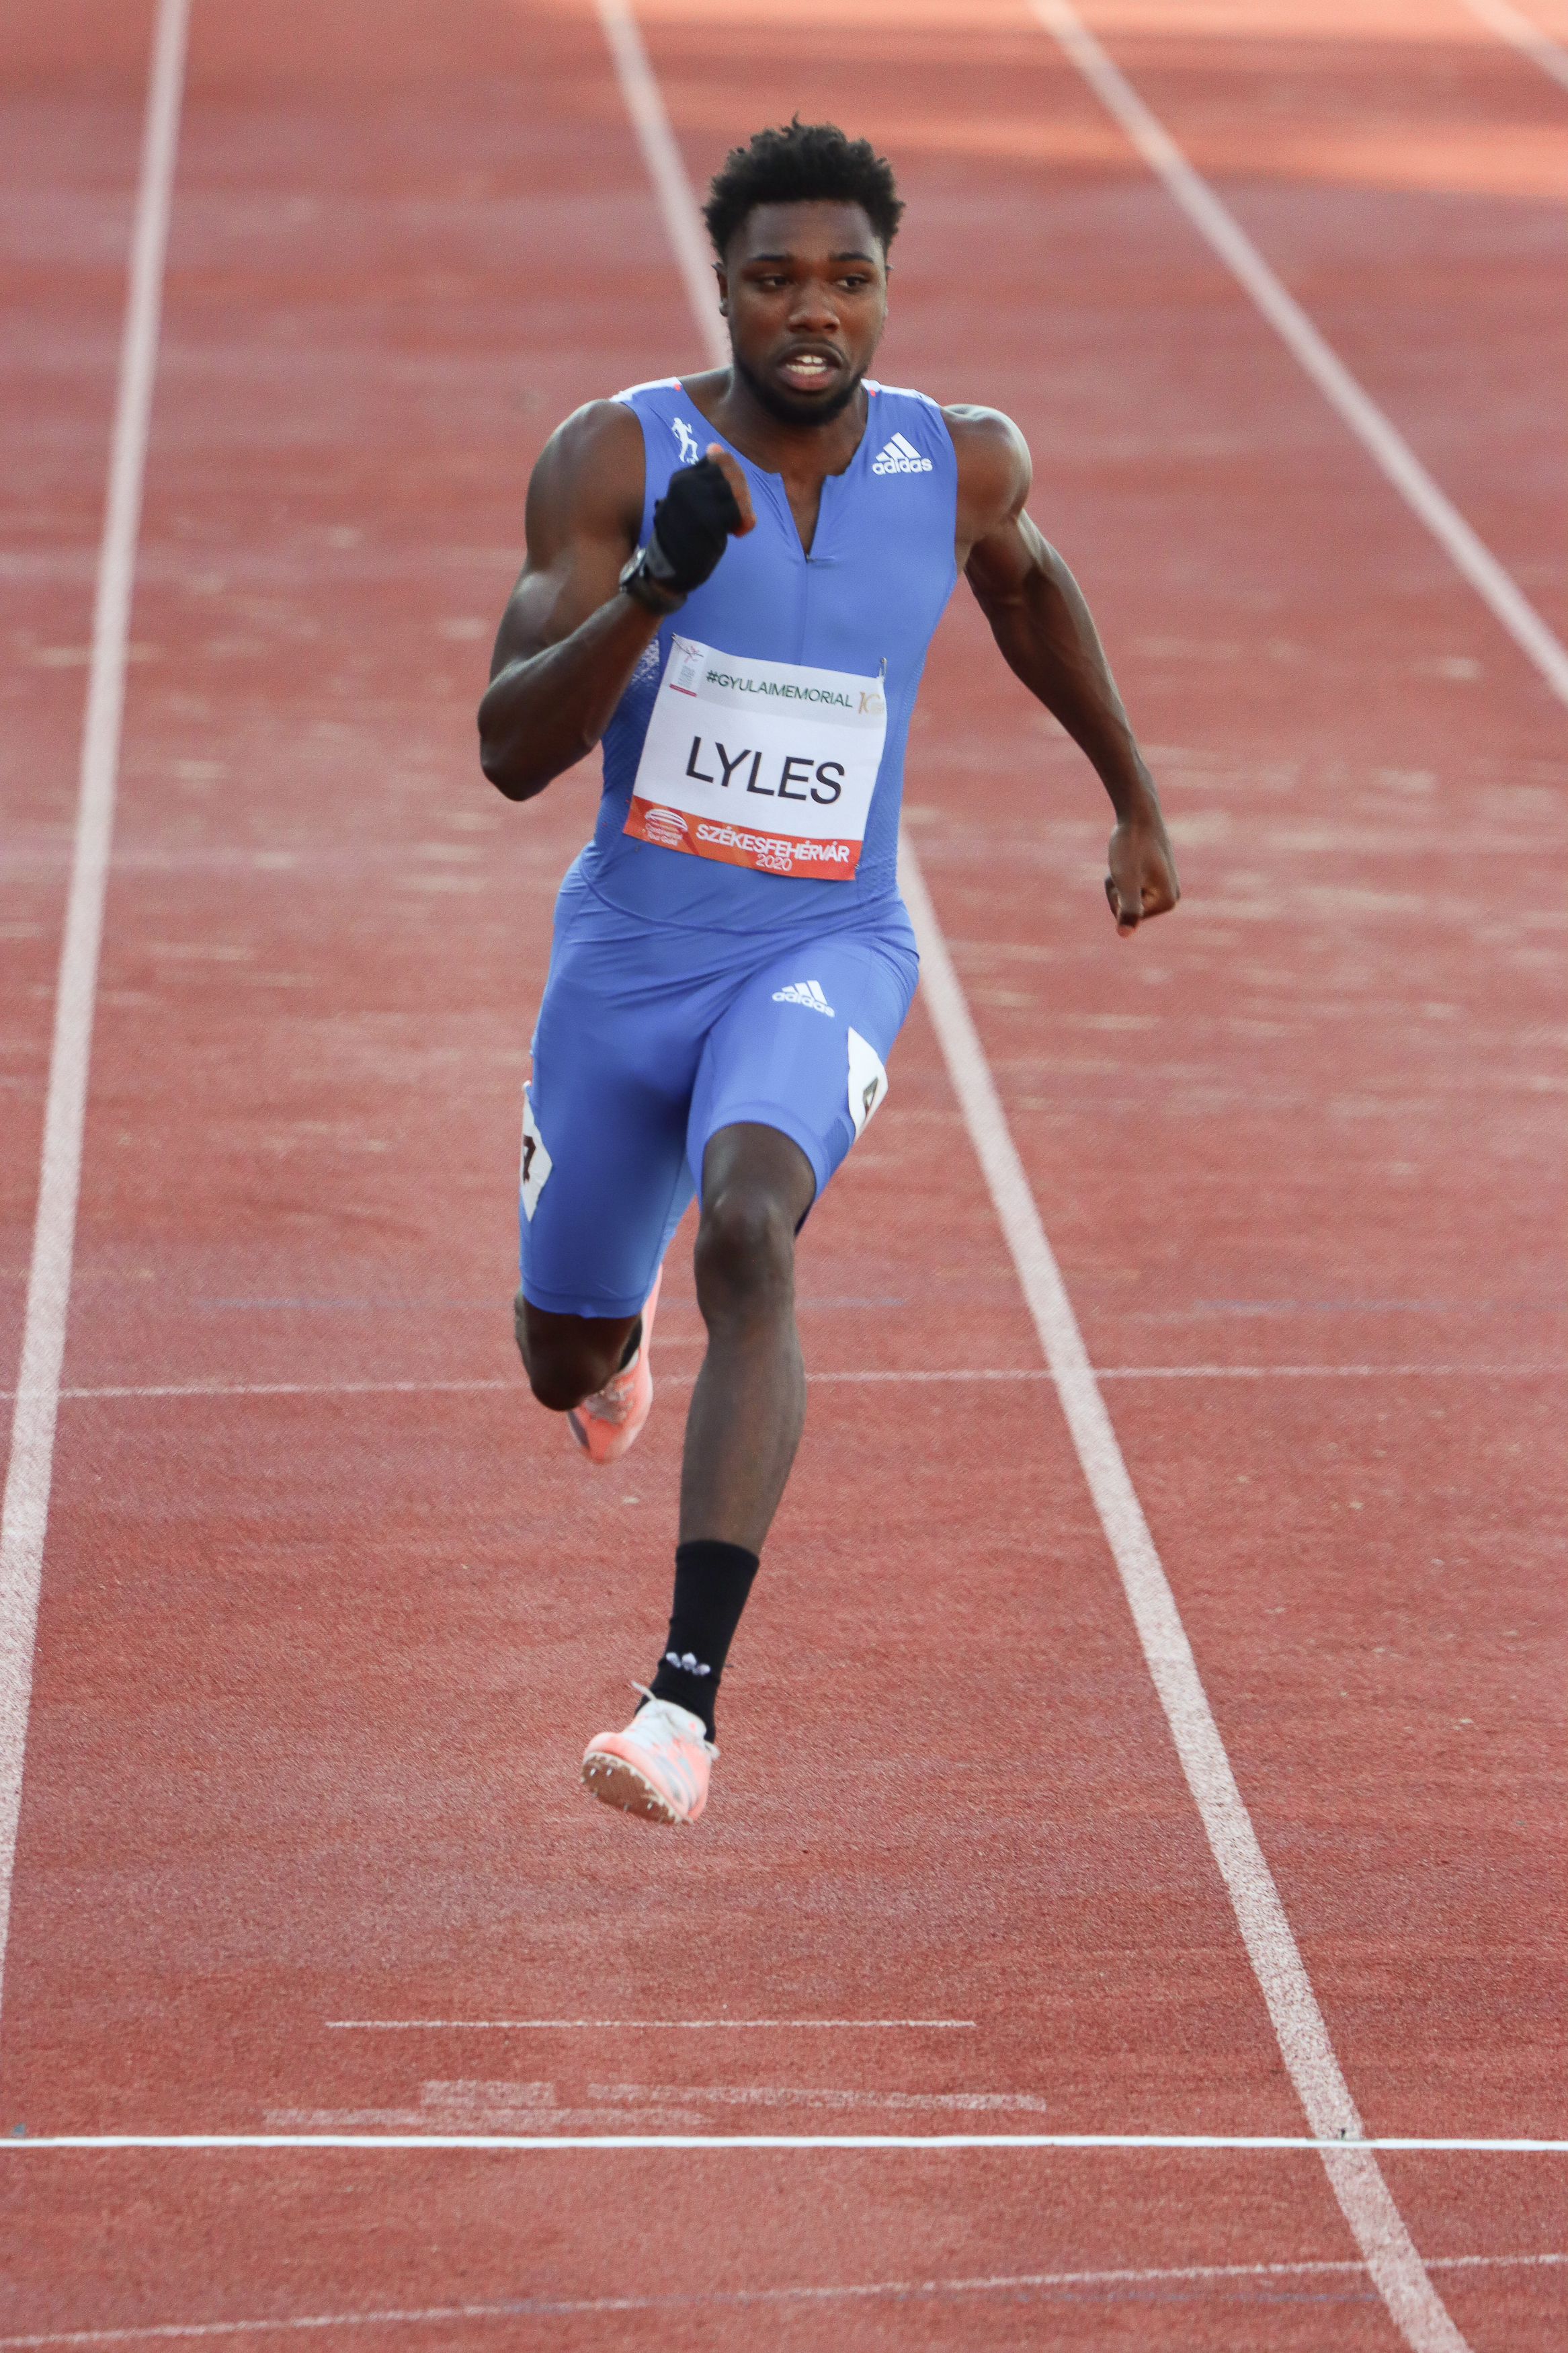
(900, 457)
(804, 992)
(688, 1660)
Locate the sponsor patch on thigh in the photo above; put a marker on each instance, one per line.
(536, 1162)
(867, 1079)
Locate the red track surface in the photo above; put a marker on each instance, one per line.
(314, 1669)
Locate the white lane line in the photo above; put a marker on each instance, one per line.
(662, 2025)
(1363, 2195)
(1320, 1372)
(1377, 434)
(1523, 33)
(24, 1518)
(196, 1390)
(1282, 2142)
(682, 223)
(532, 2307)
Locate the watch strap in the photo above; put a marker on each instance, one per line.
(640, 582)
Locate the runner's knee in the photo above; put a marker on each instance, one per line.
(746, 1250)
(564, 1365)
(562, 1377)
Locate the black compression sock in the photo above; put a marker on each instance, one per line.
(711, 1582)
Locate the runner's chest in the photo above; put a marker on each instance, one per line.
(870, 592)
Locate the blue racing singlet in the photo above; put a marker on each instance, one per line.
(864, 603)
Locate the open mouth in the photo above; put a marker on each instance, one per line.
(808, 371)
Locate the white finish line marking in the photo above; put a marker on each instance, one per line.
(1328, 2149)
(1523, 34)
(1363, 2195)
(24, 1518)
(663, 2025)
(1378, 436)
(531, 2307)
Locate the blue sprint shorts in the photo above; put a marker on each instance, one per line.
(649, 1040)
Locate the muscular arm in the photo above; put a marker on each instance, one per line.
(1044, 629)
(569, 640)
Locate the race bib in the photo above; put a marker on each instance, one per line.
(762, 764)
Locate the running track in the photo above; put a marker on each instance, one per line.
(327, 1612)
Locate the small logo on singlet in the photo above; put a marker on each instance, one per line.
(804, 992)
(689, 452)
(900, 457)
(666, 827)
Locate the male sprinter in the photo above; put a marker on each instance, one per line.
(730, 583)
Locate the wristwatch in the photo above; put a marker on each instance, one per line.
(641, 582)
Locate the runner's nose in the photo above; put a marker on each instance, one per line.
(814, 310)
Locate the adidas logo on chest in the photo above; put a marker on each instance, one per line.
(900, 457)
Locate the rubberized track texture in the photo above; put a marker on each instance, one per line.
(1141, 1753)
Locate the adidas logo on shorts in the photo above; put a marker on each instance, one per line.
(900, 457)
(804, 992)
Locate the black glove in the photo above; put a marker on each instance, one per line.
(691, 527)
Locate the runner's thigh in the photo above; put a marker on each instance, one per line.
(803, 1045)
(604, 1179)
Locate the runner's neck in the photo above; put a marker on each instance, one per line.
(802, 456)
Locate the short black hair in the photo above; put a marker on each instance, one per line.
(801, 163)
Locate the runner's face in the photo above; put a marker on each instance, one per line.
(805, 292)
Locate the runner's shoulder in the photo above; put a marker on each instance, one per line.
(994, 469)
(602, 435)
(591, 470)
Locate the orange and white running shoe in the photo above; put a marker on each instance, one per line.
(606, 1424)
(658, 1767)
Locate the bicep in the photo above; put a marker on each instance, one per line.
(584, 503)
(552, 599)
